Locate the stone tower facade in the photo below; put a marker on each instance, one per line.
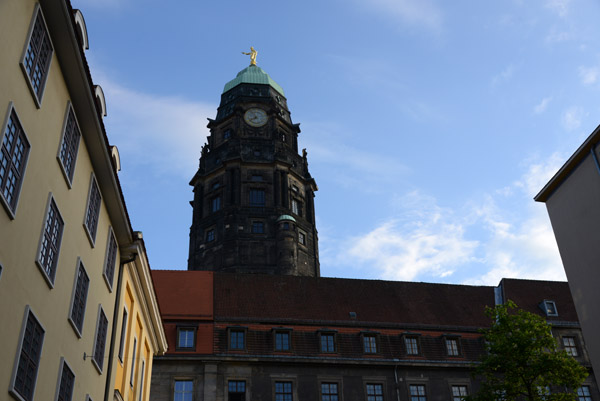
(253, 195)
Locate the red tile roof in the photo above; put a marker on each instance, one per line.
(184, 294)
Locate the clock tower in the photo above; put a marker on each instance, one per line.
(253, 195)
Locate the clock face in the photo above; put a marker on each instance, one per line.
(255, 117)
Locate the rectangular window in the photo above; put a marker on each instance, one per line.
(123, 335)
(256, 178)
(67, 153)
(258, 227)
(215, 204)
(227, 134)
(210, 235)
(301, 238)
(93, 210)
(327, 342)
(459, 393)
(297, 207)
(257, 197)
(236, 390)
(237, 339)
(25, 376)
(141, 389)
(417, 392)
(100, 341)
(570, 346)
(550, 308)
(283, 391)
(282, 341)
(110, 261)
(67, 380)
(133, 362)
(452, 346)
(374, 392)
(50, 242)
(412, 345)
(184, 390)
(186, 337)
(370, 344)
(583, 393)
(37, 56)
(13, 158)
(329, 392)
(82, 284)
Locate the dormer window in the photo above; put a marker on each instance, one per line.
(549, 307)
(227, 134)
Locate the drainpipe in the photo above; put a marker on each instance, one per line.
(132, 251)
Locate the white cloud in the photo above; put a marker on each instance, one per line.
(153, 130)
(589, 75)
(571, 118)
(423, 13)
(560, 7)
(504, 76)
(541, 106)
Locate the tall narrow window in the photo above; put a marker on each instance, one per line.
(210, 235)
(13, 158)
(67, 154)
(215, 204)
(282, 341)
(141, 389)
(38, 53)
(237, 339)
(301, 238)
(417, 393)
(50, 243)
(100, 341)
(133, 362)
(412, 345)
(67, 380)
(29, 354)
(459, 393)
(111, 259)
(93, 210)
(370, 343)
(236, 390)
(452, 346)
(297, 207)
(570, 346)
(123, 335)
(283, 391)
(186, 337)
(80, 292)
(374, 392)
(329, 392)
(327, 342)
(184, 390)
(257, 197)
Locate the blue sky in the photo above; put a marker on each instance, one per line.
(429, 125)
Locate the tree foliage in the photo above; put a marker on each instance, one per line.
(523, 360)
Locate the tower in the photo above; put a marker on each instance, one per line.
(253, 207)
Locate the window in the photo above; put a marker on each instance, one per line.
(93, 210)
(227, 134)
(549, 308)
(67, 153)
(38, 53)
(301, 238)
(141, 389)
(374, 392)
(50, 242)
(295, 188)
(297, 207)
(459, 392)
(111, 259)
(370, 343)
(100, 341)
(67, 380)
(13, 158)
(186, 337)
(570, 346)
(412, 345)
(327, 342)
(123, 334)
(210, 235)
(216, 185)
(236, 390)
(452, 346)
(184, 390)
(417, 392)
(283, 391)
(237, 339)
(583, 393)
(282, 341)
(215, 204)
(544, 392)
(25, 376)
(82, 283)
(131, 373)
(258, 227)
(256, 177)
(257, 197)
(329, 392)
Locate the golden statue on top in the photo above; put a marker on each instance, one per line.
(252, 55)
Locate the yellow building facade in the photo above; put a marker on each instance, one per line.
(70, 262)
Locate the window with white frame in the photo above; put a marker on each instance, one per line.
(37, 56)
(370, 343)
(49, 250)
(327, 342)
(183, 390)
(374, 391)
(30, 350)
(570, 346)
(412, 345)
(452, 346)
(67, 153)
(92, 210)
(459, 392)
(100, 340)
(66, 382)
(14, 154)
(80, 292)
(110, 261)
(186, 337)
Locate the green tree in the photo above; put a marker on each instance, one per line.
(523, 360)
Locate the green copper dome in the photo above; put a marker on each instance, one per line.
(252, 75)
